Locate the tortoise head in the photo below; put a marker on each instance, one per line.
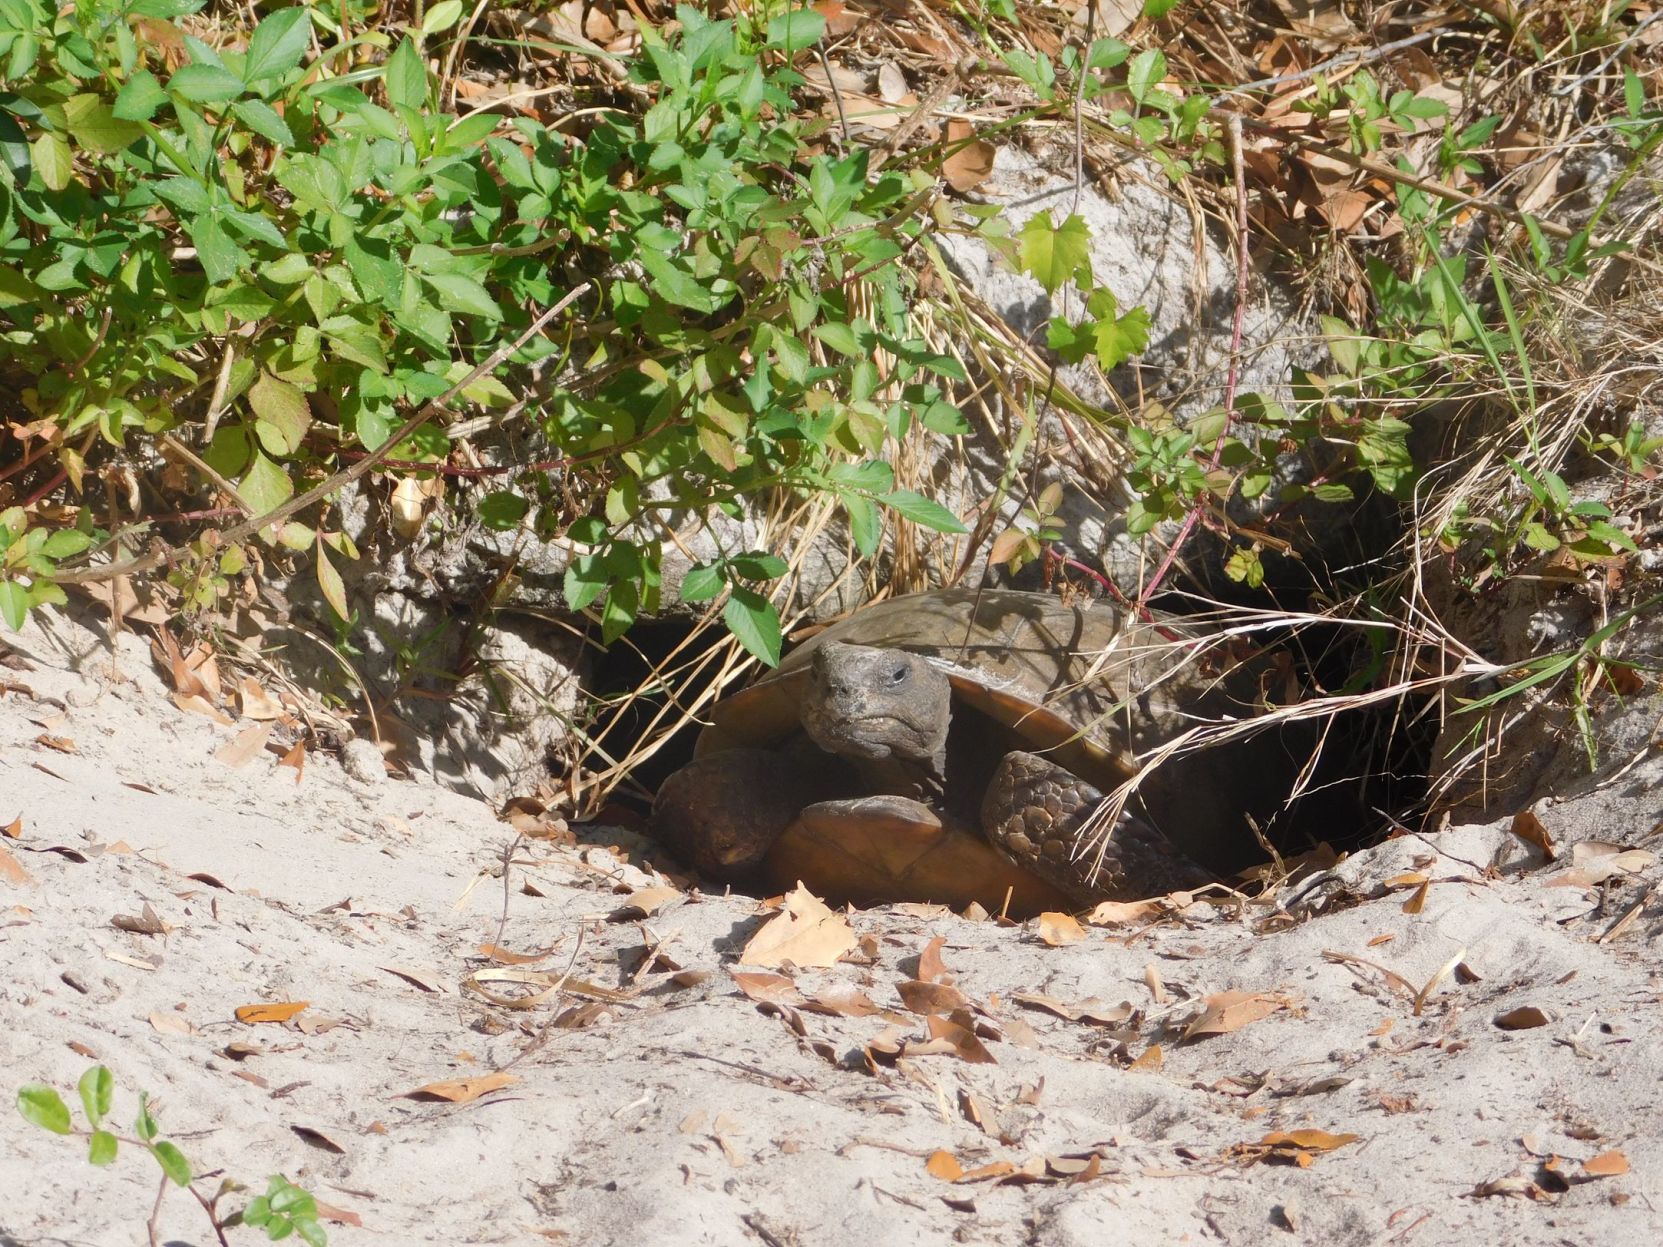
(870, 703)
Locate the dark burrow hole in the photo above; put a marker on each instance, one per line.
(1370, 778)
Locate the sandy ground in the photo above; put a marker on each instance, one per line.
(674, 1108)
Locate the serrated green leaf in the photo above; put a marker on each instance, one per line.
(1145, 72)
(277, 44)
(185, 194)
(52, 159)
(266, 486)
(1052, 253)
(205, 84)
(1119, 339)
(218, 253)
(464, 294)
(282, 414)
(921, 510)
(264, 120)
(40, 1105)
(96, 128)
(841, 337)
(66, 543)
(702, 583)
(754, 621)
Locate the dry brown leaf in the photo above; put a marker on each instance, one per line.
(960, 1032)
(892, 83)
(1298, 1147)
(768, 988)
(272, 1011)
(966, 168)
(295, 757)
(804, 933)
(1125, 913)
(245, 746)
(61, 744)
(1527, 827)
(843, 1002)
(1058, 930)
(503, 957)
(944, 1165)
(931, 969)
(1525, 1017)
(922, 997)
(839, 19)
(1417, 902)
(146, 922)
(341, 1216)
(256, 703)
(172, 1024)
(14, 829)
(1152, 1059)
(1224, 1012)
(1612, 1164)
(462, 1090)
(197, 704)
(644, 903)
(11, 870)
(415, 978)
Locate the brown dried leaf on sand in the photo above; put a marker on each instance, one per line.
(1224, 1012)
(803, 933)
(462, 1090)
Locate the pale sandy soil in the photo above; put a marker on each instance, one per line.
(690, 1114)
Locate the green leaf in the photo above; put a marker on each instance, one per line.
(865, 524)
(842, 338)
(266, 486)
(1154, 10)
(277, 44)
(1145, 73)
(216, 250)
(144, 1125)
(101, 1148)
(1118, 339)
(14, 608)
(441, 16)
(1055, 253)
(922, 510)
(406, 78)
(205, 84)
(464, 294)
(40, 1105)
(282, 414)
(264, 120)
(754, 621)
(63, 544)
(702, 583)
(172, 1161)
(796, 30)
(502, 510)
(53, 160)
(96, 128)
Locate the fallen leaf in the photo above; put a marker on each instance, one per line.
(1230, 1011)
(245, 746)
(197, 704)
(768, 988)
(462, 1090)
(804, 933)
(1612, 1164)
(892, 82)
(1299, 1147)
(272, 1011)
(930, 966)
(14, 829)
(1152, 1059)
(944, 1165)
(1525, 1017)
(318, 1139)
(172, 1024)
(843, 1002)
(256, 703)
(341, 1216)
(959, 1031)
(924, 998)
(295, 757)
(1125, 913)
(969, 164)
(61, 744)
(1527, 827)
(644, 903)
(415, 978)
(504, 957)
(1058, 930)
(148, 922)
(12, 870)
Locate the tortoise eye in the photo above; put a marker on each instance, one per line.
(898, 676)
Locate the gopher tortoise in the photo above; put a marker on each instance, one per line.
(955, 746)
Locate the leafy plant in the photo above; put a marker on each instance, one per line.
(283, 1210)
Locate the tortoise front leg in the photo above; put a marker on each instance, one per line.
(1041, 814)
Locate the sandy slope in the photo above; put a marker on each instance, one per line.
(688, 1114)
